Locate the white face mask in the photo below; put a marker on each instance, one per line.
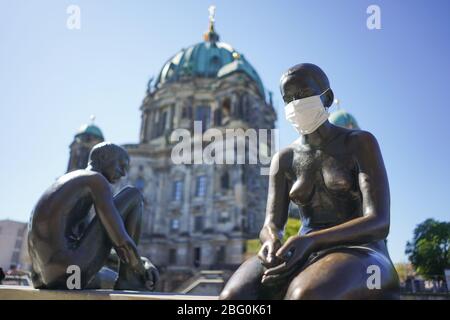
(306, 114)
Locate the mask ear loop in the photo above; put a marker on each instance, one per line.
(293, 98)
(324, 92)
(326, 109)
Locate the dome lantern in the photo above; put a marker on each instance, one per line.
(211, 35)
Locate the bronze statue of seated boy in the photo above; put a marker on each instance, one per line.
(62, 235)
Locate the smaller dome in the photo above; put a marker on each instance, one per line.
(344, 119)
(90, 129)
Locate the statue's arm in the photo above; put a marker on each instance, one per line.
(278, 196)
(374, 188)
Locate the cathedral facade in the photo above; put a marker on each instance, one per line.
(199, 216)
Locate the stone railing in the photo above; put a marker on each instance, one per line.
(29, 293)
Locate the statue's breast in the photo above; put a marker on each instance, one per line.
(320, 177)
(339, 174)
(304, 167)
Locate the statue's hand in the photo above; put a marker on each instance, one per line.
(267, 253)
(293, 253)
(151, 275)
(128, 254)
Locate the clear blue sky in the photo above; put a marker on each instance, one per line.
(395, 81)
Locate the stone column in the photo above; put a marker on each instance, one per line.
(144, 126)
(185, 212)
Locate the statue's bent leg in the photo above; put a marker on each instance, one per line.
(95, 246)
(130, 204)
(345, 274)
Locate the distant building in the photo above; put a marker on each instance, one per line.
(13, 245)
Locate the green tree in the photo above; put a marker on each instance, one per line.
(429, 249)
(291, 229)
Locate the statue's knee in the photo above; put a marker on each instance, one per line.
(296, 294)
(133, 193)
(228, 294)
(303, 293)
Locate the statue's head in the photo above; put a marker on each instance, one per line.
(305, 80)
(111, 160)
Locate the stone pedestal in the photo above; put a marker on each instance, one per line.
(28, 293)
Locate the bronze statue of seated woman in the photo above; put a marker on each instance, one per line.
(62, 235)
(336, 176)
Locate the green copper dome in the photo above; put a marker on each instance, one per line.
(90, 129)
(343, 119)
(208, 59)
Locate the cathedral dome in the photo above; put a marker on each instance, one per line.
(90, 129)
(344, 119)
(207, 59)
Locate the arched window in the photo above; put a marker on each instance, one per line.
(202, 113)
(225, 181)
(200, 186)
(177, 191)
(218, 117)
(244, 177)
(241, 105)
(226, 107)
(186, 112)
(199, 223)
(162, 124)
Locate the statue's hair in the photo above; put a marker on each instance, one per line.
(104, 152)
(307, 70)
